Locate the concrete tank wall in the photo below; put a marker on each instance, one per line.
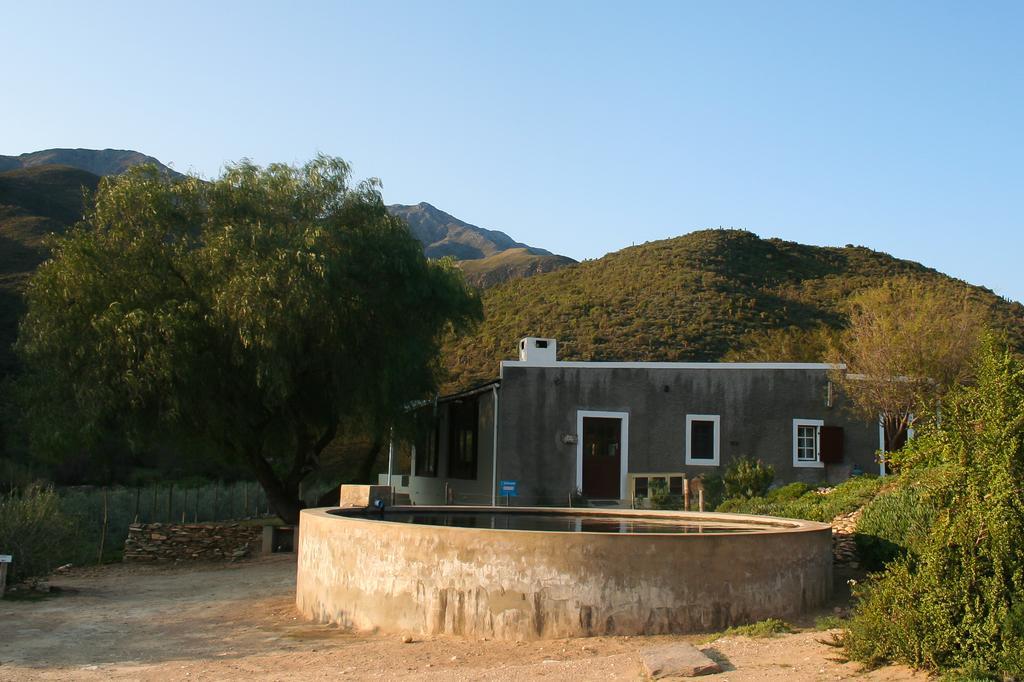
(400, 577)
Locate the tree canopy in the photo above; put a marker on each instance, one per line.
(908, 341)
(259, 314)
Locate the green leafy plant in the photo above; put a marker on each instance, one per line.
(660, 496)
(829, 622)
(35, 531)
(714, 490)
(897, 521)
(748, 477)
(770, 627)
(844, 498)
(956, 602)
(788, 493)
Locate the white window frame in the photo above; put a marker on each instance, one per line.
(816, 463)
(623, 418)
(717, 420)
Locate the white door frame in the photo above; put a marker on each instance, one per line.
(623, 418)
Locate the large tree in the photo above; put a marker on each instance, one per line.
(258, 315)
(908, 341)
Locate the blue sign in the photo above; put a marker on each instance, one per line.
(509, 488)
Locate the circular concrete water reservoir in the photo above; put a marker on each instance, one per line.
(538, 573)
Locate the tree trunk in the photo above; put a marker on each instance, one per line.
(365, 470)
(283, 498)
(283, 493)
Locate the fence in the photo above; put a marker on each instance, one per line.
(102, 515)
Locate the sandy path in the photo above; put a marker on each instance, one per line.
(238, 621)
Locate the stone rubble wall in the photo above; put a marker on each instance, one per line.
(152, 542)
(844, 548)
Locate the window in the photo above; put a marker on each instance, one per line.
(807, 442)
(641, 487)
(426, 451)
(462, 438)
(702, 439)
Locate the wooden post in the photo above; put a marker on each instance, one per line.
(170, 502)
(700, 499)
(4, 560)
(103, 533)
(195, 508)
(138, 495)
(152, 512)
(216, 490)
(686, 494)
(245, 500)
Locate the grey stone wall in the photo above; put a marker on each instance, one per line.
(151, 542)
(538, 408)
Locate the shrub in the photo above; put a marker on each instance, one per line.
(957, 603)
(770, 627)
(661, 498)
(714, 490)
(811, 505)
(896, 522)
(34, 530)
(747, 477)
(788, 493)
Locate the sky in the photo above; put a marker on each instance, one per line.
(579, 127)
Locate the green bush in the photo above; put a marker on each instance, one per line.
(748, 477)
(35, 531)
(769, 627)
(896, 522)
(788, 493)
(661, 498)
(957, 602)
(714, 490)
(811, 505)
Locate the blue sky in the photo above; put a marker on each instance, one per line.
(580, 127)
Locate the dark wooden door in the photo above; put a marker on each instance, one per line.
(602, 457)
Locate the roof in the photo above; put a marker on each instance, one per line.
(466, 393)
(676, 365)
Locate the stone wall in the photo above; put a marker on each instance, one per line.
(191, 542)
(366, 574)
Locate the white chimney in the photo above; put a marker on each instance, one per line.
(537, 351)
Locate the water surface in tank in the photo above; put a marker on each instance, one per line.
(566, 522)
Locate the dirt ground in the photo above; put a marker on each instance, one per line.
(238, 621)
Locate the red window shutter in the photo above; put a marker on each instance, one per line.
(831, 444)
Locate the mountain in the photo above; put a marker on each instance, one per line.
(691, 298)
(487, 257)
(443, 234)
(34, 202)
(490, 256)
(96, 161)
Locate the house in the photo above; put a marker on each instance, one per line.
(550, 429)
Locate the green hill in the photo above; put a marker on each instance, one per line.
(692, 298)
(509, 264)
(34, 202)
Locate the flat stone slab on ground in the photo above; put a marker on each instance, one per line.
(677, 660)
